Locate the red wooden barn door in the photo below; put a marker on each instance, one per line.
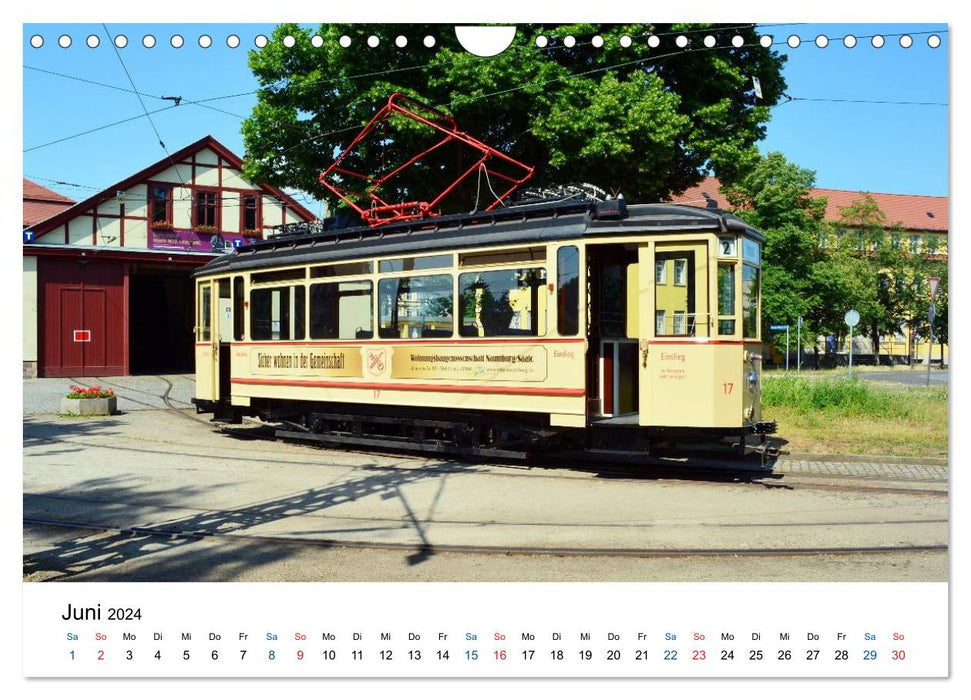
(85, 320)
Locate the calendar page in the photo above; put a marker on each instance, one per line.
(520, 344)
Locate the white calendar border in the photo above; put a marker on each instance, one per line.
(499, 10)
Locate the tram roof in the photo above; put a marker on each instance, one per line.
(514, 225)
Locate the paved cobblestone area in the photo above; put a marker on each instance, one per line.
(135, 393)
(903, 472)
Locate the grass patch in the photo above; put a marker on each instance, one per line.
(856, 417)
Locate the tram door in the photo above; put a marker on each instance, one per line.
(612, 367)
(225, 326)
(214, 331)
(675, 360)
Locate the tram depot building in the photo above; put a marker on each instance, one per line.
(107, 286)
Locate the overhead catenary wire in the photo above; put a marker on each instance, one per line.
(151, 121)
(856, 101)
(203, 101)
(459, 102)
(233, 200)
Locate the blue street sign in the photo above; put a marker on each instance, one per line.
(28, 235)
(778, 328)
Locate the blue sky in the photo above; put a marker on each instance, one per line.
(844, 121)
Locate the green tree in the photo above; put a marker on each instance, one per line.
(639, 120)
(840, 281)
(917, 311)
(774, 197)
(896, 276)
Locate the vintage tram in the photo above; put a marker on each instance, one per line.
(577, 324)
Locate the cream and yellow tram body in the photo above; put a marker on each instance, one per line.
(600, 325)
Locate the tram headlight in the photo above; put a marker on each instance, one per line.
(753, 381)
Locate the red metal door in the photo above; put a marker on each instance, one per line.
(64, 353)
(84, 320)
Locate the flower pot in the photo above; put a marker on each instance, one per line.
(90, 407)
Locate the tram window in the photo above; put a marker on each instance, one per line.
(342, 269)
(751, 251)
(277, 313)
(297, 273)
(750, 301)
(674, 303)
(427, 262)
(568, 290)
(726, 298)
(415, 307)
(498, 257)
(238, 299)
(224, 311)
(341, 310)
(205, 313)
(503, 302)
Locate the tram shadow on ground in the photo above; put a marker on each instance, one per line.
(672, 464)
(103, 537)
(712, 463)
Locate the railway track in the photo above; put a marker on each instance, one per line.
(89, 531)
(710, 466)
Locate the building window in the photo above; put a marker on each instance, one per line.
(932, 245)
(895, 240)
(680, 325)
(661, 272)
(415, 307)
(680, 272)
(915, 244)
(252, 223)
(160, 204)
(659, 323)
(206, 209)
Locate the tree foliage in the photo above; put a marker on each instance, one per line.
(896, 278)
(820, 269)
(639, 120)
(774, 197)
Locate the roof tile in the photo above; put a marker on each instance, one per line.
(911, 211)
